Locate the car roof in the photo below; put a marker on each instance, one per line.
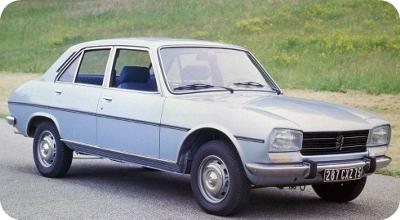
(149, 42)
(154, 43)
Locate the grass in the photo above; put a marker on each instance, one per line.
(312, 44)
(385, 105)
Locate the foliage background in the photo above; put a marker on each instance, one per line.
(314, 44)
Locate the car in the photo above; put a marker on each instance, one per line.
(195, 107)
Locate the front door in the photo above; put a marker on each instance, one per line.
(130, 108)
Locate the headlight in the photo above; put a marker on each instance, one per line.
(379, 136)
(284, 140)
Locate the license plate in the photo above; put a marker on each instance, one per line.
(335, 175)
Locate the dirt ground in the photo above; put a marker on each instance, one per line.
(8, 82)
(387, 106)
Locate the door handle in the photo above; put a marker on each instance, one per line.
(108, 99)
(58, 91)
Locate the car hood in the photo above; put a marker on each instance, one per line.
(308, 115)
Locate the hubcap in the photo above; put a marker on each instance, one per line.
(46, 149)
(213, 179)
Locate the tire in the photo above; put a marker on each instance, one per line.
(340, 192)
(233, 194)
(52, 157)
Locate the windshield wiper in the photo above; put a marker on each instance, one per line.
(278, 92)
(254, 84)
(196, 86)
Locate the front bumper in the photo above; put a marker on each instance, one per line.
(310, 169)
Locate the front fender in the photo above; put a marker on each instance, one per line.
(220, 128)
(248, 151)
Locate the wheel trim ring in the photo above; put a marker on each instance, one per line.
(46, 149)
(213, 179)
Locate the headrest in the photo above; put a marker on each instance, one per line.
(134, 74)
(195, 72)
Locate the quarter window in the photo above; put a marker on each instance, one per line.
(93, 66)
(68, 75)
(132, 70)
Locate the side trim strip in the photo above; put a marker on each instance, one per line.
(170, 166)
(241, 138)
(128, 120)
(102, 115)
(56, 108)
(174, 127)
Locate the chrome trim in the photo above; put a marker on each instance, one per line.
(132, 90)
(104, 116)
(382, 161)
(79, 84)
(109, 66)
(11, 120)
(52, 107)
(115, 151)
(304, 169)
(174, 127)
(364, 153)
(360, 163)
(80, 58)
(128, 120)
(241, 138)
(285, 170)
(67, 63)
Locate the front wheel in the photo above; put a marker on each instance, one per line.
(52, 158)
(340, 192)
(218, 180)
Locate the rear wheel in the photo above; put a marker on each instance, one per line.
(340, 192)
(218, 180)
(52, 158)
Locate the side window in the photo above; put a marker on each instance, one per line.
(132, 70)
(93, 66)
(68, 75)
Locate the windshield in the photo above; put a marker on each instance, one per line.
(189, 69)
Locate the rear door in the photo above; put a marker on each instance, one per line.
(130, 106)
(77, 93)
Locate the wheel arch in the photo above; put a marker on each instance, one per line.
(198, 136)
(37, 118)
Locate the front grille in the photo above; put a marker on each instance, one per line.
(321, 143)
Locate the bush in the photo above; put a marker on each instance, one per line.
(285, 60)
(251, 25)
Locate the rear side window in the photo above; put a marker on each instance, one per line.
(68, 75)
(93, 66)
